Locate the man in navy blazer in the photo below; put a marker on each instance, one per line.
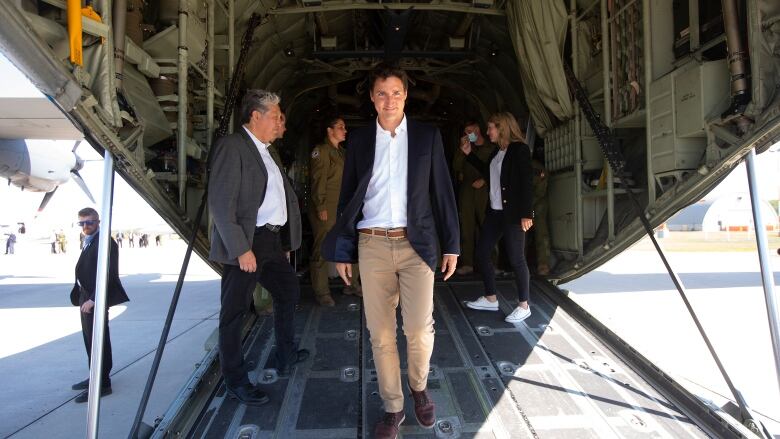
(83, 295)
(396, 202)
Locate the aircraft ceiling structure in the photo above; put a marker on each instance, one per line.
(318, 57)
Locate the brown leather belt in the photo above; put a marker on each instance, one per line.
(387, 233)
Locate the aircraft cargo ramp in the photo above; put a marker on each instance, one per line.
(548, 377)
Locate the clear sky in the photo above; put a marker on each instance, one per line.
(13, 83)
(131, 211)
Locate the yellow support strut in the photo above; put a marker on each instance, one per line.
(74, 31)
(75, 13)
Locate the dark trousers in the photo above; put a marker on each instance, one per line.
(87, 319)
(493, 229)
(277, 276)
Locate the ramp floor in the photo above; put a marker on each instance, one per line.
(547, 378)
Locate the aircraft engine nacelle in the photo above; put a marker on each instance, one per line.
(36, 165)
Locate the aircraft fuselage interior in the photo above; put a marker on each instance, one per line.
(684, 87)
(675, 92)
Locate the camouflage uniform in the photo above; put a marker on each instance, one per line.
(326, 167)
(471, 202)
(541, 229)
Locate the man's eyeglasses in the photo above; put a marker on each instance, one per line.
(87, 223)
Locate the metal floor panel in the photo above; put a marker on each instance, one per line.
(545, 378)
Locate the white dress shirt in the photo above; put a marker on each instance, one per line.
(385, 202)
(274, 207)
(495, 180)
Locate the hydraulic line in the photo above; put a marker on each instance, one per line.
(617, 162)
(738, 58)
(254, 21)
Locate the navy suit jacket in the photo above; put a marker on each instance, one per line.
(86, 272)
(431, 211)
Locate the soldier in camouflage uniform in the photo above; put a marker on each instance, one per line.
(326, 168)
(541, 230)
(473, 196)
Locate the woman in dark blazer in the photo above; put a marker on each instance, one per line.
(509, 212)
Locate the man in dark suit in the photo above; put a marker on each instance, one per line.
(256, 222)
(396, 198)
(83, 295)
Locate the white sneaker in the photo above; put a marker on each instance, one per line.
(518, 315)
(483, 304)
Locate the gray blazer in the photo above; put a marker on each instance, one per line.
(236, 190)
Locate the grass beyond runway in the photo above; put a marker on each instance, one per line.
(710, 242)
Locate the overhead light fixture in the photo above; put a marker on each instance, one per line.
(289, 52)
(494, 51)
(479, 3)
(328, 42)
(457, 42)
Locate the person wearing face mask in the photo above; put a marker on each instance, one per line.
(473, 193)
(510, 212)
(326, 167)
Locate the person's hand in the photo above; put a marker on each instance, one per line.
(345, 272)
(448, 264)
(465, 145)
(322, 215)
(247, 262)
(478, 183)
(87, 306)
(287, 254)
(526, 224)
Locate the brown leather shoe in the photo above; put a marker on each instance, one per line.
(424, 408)
(388, 427)
(326, 300)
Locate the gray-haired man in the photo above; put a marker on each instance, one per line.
(256, 221)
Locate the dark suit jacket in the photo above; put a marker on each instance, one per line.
(430, 202)
(236, 190)
(516, 181)
(86, 272)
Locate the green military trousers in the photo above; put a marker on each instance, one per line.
(318, 267)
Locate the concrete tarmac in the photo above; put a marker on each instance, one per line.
(634, 296)
(42, 350)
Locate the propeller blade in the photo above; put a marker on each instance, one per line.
(80, 181)
(45, 201)
(79, 162)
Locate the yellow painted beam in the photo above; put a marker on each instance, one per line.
(74, 31)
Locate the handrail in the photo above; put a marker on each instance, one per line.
(617, 162)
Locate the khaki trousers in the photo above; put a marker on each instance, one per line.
(393, 273)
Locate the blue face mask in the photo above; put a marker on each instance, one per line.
(472, 137)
